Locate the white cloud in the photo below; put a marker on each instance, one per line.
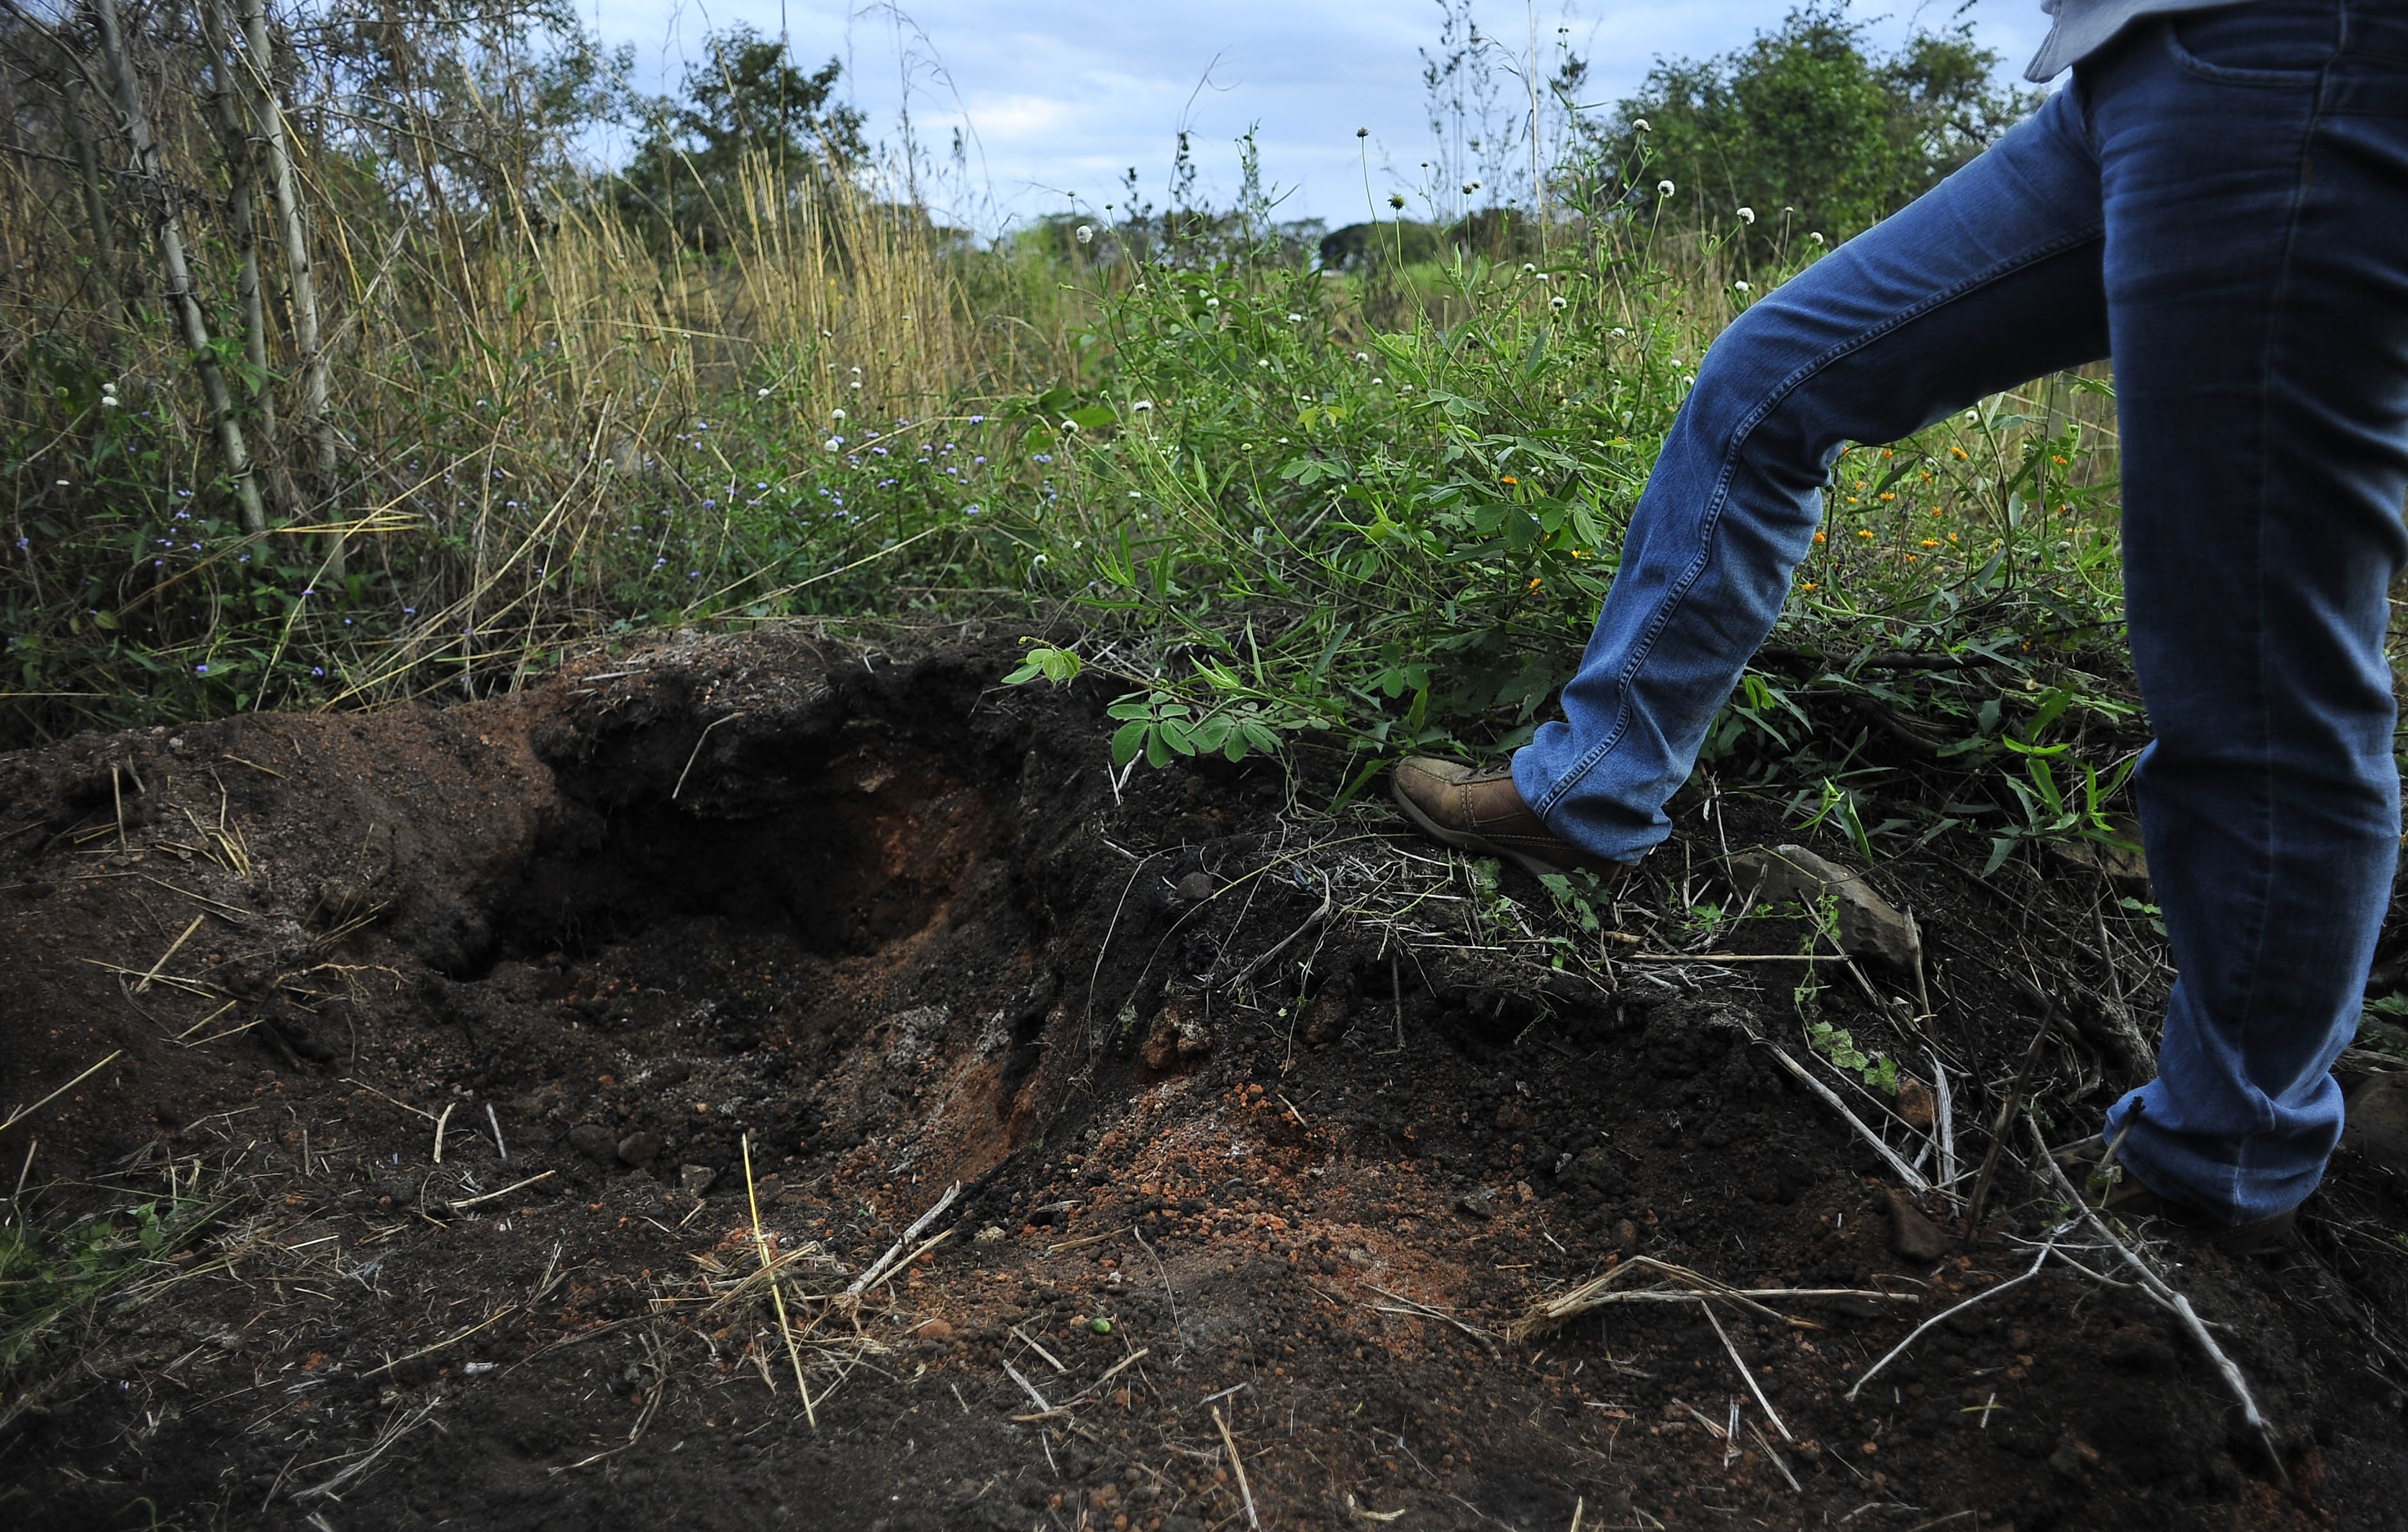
(1056, 102)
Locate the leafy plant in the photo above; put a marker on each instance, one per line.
(1878, 1071)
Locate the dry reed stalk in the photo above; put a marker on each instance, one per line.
(168, 222)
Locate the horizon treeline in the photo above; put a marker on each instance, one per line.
(334, 363)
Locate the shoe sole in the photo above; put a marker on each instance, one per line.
(1467, 840)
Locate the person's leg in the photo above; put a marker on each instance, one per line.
(2254, 173)
(1988, 281)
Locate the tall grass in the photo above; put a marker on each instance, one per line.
(1376, 508)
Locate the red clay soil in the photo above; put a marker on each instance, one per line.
(458, 1025)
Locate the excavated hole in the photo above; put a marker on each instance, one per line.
(820, 951)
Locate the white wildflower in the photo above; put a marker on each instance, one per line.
(1747, 215)
(1741, 286)
(1558, 302)
(1663, 189)
(1640, 124)
(836, 414)
(1211, 303)
(1086, 233)
(1816, 237)
(1141, 406)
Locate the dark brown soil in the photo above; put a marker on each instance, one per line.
(895, 927)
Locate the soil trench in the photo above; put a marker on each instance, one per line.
(522, 1115)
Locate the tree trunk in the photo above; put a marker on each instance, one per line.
(95, 199)
(242, 188)
(309, 416)
(149, 166)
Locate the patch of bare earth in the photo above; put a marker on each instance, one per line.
(470, 1027)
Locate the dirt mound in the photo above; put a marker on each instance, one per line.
(449, 1055)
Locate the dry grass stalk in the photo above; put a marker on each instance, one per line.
(1747, 1374)
(769, 1275)
(1905, 1172)
(173, 948)
(1683, 1285)
(1917, 1333)
(1238, 1466)
(1030, 1341)
(21, 1113)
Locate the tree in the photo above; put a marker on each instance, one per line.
(752, 126)
(1805, 125)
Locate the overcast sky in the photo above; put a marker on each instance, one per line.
(1058, 100)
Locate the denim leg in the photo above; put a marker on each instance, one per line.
(2255, 175)
(1989, 280)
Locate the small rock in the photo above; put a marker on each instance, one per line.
(1178, 1036)
(1916, 1102)
(935, 1329)
(1911, 1235)
(1161, 1050)
(1480, 1202)
(1196, 887)
(1326, 1020)
(1625, 1237)
(638, 1149)
(594, 1142)
(695, 1179)
(2376, 1123)
(988, 1235)
(1870, 925)
(1511, 1117)
(1593, 1168)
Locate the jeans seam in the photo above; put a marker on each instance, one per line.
(2275, 309)
(1711, 521)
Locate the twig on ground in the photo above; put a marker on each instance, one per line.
(1917, 1333)
(1598, 1292)
(173, 948)
(1028, 1388)
(862, 1282)
(21, 1113)
(454, 1340)
(1905, 1172)
(1238, 1466)
(1947, 1123)
(1328, 903)
(1747, 1375)
(1778, 1461)
(2159, 1288)
(1031, 1342)
(399, 1425)
(470, 1202)
(504, 1150)
(1416, 1307)
(1169, 1296)
(2007, 1110)
(438, 1130)
(1130, 1360)
(1084, 1240)
(381, 1096)
(697, 755)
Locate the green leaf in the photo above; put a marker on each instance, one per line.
(1126, 741)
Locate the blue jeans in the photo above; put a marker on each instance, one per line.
(2219, 202)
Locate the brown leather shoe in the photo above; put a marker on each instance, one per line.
(1479, 810)
(2108, 1188)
